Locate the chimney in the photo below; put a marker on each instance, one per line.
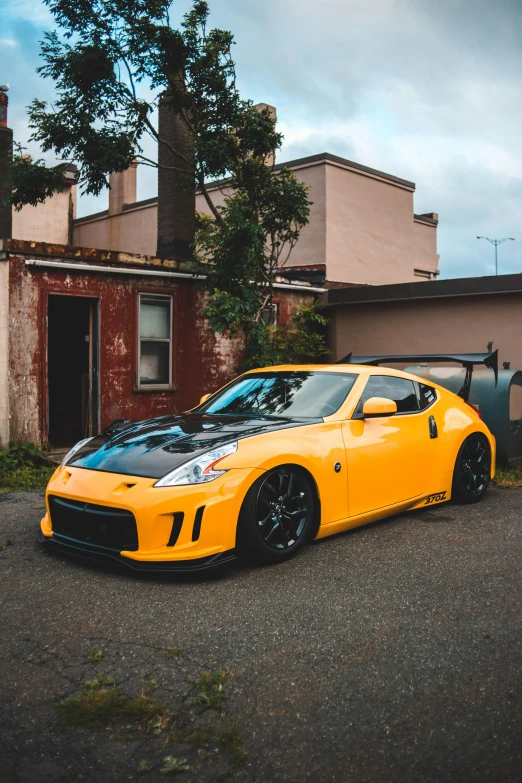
(122, 188)
(176, 189)
(270, 159)
(6, 157)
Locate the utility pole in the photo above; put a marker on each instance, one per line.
(496, 243)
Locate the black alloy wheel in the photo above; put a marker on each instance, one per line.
(277, 516)
(472, 469)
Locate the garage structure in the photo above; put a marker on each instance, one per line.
(441, 316)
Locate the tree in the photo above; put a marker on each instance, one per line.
(105, 50)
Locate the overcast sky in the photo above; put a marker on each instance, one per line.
(427, 90)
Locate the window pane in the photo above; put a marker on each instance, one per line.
(155, 317)
(428, 395)
(154, 363)
(269, 315)
(400, 390)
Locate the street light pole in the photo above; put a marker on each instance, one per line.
(496, 243)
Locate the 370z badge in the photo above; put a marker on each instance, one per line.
(435, 498)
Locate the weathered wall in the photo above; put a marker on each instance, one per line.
(371, 236)
(4, 353)
(25, 378)
(50, 221)
(202, 362)
(361, 226)
(133, 231)
(311, 246)
(457, 325)
(424, 252)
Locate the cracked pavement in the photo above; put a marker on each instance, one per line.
(389, 653)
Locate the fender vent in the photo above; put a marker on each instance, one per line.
(196, 530)
(177, 524)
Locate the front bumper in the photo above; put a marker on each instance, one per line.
(99, 554)
(179, 529)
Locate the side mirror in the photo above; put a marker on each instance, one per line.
(204, 398)
(379, 406)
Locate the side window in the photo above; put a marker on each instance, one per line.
(400, 390)
(154, 341)
(428, 395)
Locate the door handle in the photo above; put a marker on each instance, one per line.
(433, 428)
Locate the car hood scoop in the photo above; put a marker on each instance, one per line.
(154, 447)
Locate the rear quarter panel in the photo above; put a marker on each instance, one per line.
(456, 420)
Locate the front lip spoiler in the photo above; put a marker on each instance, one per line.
(100, 554)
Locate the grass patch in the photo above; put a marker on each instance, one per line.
(95, 654)
(509, 478)
(159, 723)
(25, 478)
(5, 541)
(172, 765)
(143, 766)
(174, 652)
(198, 738)
(230, 740)
(177, 735)
(210, 689)
(100, 703)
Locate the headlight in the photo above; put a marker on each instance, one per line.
(198, 470)
(73, 451)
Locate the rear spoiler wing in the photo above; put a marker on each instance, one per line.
(467, 360)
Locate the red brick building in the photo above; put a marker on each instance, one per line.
(90, 336)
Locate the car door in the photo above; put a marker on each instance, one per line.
(389, 459)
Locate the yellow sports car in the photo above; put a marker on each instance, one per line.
(276, 458)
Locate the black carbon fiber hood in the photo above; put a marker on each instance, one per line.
(154, 447)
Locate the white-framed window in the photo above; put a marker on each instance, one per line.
(154, 341)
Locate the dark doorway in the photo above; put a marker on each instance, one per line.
(72, 367)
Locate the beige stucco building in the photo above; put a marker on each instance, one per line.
(51, 221)
(362, 226)
(443, 316)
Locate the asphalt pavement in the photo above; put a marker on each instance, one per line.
(389, 653)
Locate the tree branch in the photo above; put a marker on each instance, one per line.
(206, 196)
(154, 164)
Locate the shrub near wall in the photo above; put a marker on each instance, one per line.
(24, 466)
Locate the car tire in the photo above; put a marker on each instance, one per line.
(472, 469)
(277, 516)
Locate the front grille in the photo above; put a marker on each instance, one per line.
(105, 526)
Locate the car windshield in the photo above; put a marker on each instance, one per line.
(301, 394)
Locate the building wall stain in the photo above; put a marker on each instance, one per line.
(202, 362)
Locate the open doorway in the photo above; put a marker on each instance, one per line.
(73, 369)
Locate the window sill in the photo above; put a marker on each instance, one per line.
(154, 389)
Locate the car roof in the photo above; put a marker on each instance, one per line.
(354, 369)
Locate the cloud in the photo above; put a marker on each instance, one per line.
(9, 42)
(427, 91)
(21, 10)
